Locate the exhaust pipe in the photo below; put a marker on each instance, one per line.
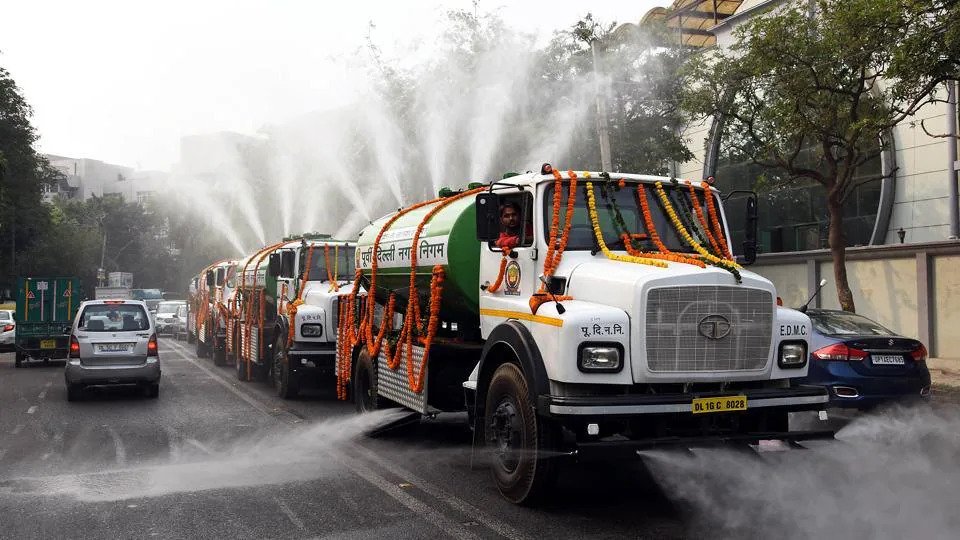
(846, 392)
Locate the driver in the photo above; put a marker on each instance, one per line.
(509, 225)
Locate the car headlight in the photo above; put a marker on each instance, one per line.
(793, 354)
(311, 330)
(600, 358)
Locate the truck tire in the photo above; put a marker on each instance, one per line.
(363, 384)
(190, 338)
(201, 349)
(241, 366)
(518, 441)
(284, 380)
(219, 352)
(18, 359)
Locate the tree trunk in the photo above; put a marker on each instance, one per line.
(838, 246)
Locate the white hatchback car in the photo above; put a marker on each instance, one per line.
(8, 329)
(113, 342)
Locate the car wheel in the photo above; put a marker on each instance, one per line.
(284, 380)
(74, 392)
(518, 441)
(153, 390)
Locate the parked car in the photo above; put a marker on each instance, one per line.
(113, 342)
(166, 316)
(180, 327)
(8, 329)
(864, 364)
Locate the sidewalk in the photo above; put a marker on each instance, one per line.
(945, 376)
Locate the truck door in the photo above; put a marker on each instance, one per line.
(519, 279)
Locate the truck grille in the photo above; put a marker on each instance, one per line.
(678, 317)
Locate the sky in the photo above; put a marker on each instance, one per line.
(123, 81)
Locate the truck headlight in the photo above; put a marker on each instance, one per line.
(600, 358)
(311, 330)
(793, 354)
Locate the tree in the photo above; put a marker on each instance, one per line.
(23, 174)
(803, 94)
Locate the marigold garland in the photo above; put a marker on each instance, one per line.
(726, 264)
(332, 278)
(557, 244)
(503, 268)
(700, 217)
(715, 221)
(598, 234)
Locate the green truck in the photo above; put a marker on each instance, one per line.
(45, 310)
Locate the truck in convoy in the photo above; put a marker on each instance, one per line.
(573, 315)
(152, 297)
(283, 313)
(209, 293)
(44, 315)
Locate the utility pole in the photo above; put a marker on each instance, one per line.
(603, 132)
(952, 158)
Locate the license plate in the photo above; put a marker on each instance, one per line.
(719, 404)
(48, 344)
(113, 347)
(887, 360)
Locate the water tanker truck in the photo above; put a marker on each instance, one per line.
(605, 316)
(284, 311)
(207, 298)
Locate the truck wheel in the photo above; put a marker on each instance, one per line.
(219, 352)
(190, 338)
(74, 392)
(517, 439)
(18, 359)
(241, 366)
(284, 381)
(201, 349)
(363, 387)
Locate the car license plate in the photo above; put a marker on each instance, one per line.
(887, 360)
(113, 347)
(48, 344)
(719, 404)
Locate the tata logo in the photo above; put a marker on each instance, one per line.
(714, 327)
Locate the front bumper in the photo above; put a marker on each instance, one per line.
(800, 398)
(125, 374)
(7, 338)
(319, 357)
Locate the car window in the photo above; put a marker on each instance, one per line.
(838, 323)
(4, 316)
(182, 311)
(114, 318)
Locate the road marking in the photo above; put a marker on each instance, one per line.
(198, 444)
(42, 395)
(453, 501)
(119, 449)
(419, 508)
(427, 513)
(297, 522)
(32, 409)
(17, 429)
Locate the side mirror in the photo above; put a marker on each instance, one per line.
(750, 231)
(210, 279)
(221, 274)
(287, 262)
(273, 267)
(488, 217)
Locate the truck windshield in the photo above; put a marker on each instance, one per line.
(146, 294)
(627, 202)
(341, 261)
(168, 307)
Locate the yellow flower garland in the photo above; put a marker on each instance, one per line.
(595, 221)
(682, 231)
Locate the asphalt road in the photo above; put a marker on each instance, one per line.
(217, 458)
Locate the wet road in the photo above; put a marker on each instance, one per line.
(217, 458)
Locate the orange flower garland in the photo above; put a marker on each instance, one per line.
(557, 244)
(717, 230)
(331, 277)
(503, 267)
(664, 252)
(702, 220)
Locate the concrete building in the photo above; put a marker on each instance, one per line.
(903, 263)
(86, 178)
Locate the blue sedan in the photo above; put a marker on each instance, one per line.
(864, 364)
